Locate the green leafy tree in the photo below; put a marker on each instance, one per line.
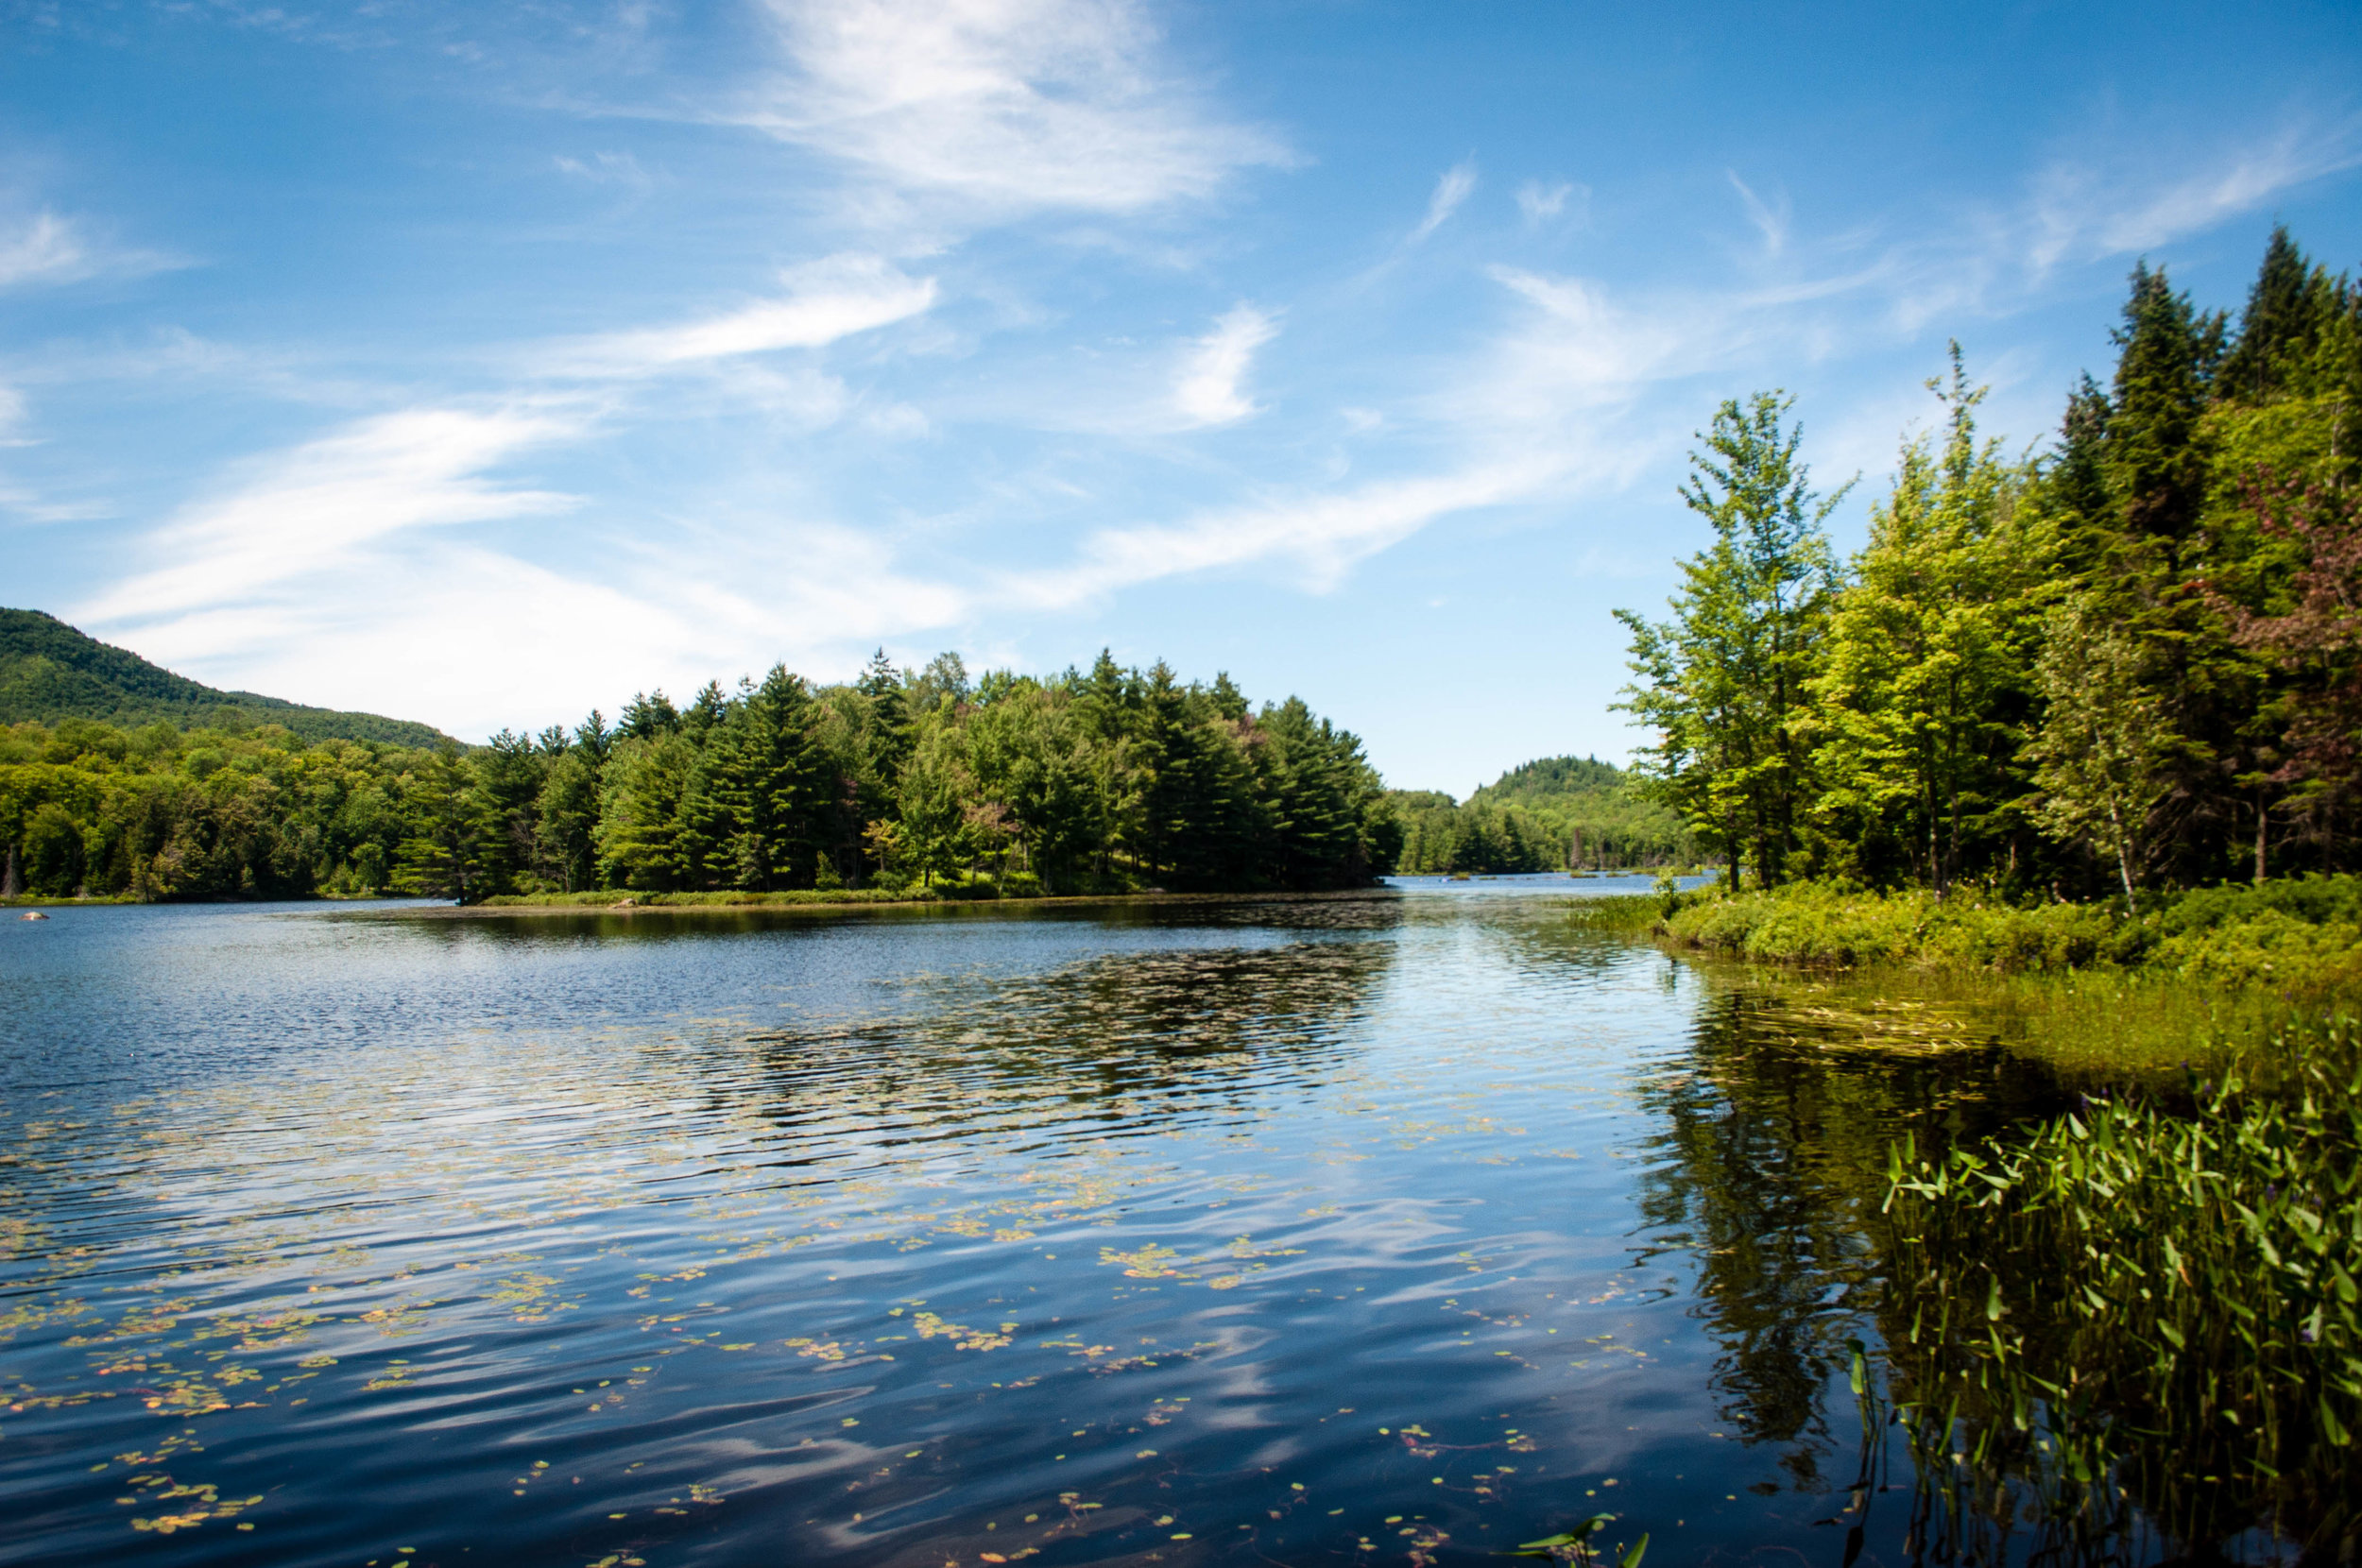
(2100, 757)
(1925, 653)
(1724, 683)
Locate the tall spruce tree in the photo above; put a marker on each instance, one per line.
(2288, 307)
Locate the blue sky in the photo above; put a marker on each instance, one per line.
(480, 364)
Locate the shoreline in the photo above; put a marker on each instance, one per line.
(830, 906)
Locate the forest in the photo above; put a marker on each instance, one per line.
(1556, 813)
(1108, 780)
(2130, 660)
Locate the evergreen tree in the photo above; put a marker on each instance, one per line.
(593, 739)
(442, 854)
(510, 773)
(566, 813)
(2287, 308)
(780, 780)
(2154, 461)
(639, 832)
(646, 716)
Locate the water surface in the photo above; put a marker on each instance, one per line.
(1405, 1227)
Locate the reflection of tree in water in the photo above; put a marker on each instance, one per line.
(1123, 1042)
(1773, 1152)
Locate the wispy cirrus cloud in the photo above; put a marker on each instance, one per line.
(294, 514)
(48, 248)
(1001, 107)
(1540, 202)
(824, 301)
(1770, 218)
(1323, 533)
(1208, 391)
(1450, 191)
(2082, 209)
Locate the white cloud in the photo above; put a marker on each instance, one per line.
(1540, 202)
(1005, 105)
(607, 168)
(1770, 219)
(45, 249)
(2080, 211)
(1207, 390)
(826, 300)
(1324, 535)
(1450, 191)
(322, 505)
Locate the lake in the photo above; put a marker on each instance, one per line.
(1399, 1227)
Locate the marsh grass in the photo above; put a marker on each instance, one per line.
(2140, 1320)
(2301, 935)
(1633, 914)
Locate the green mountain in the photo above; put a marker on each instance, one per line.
(1552, 778)
(48, 672)
(1552, 812)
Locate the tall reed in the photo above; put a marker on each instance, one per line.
(2147, 1319)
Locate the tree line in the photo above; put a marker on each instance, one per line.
(1108, 780)
(2131, 659)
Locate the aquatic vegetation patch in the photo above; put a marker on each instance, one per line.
(2146, 1319)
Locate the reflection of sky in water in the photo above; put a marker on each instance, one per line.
(1363, 1230)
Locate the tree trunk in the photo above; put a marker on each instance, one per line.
(2262, 821)
(2124, 858)
(12, 884)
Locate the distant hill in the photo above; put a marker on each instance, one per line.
(1550, 779)
(1552, 812)
(48, 672)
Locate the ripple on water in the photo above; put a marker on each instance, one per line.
(1351, 1229)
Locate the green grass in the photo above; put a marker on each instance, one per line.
(2301, 936)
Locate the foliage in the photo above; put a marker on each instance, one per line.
(1553, 813)
(1726, 682)
(1109, 781)
(1924, 674)
(2126, 665)
(2148, 1320)
(2301, 936)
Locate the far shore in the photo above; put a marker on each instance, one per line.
(814, 903)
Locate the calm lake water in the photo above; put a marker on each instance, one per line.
(1402, 1227)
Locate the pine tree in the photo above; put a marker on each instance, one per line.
(442, 854)
(2288, 307)
(779, 780)
(2155, 465)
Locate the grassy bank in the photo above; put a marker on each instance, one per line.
(2301, 937)
(616, 898)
